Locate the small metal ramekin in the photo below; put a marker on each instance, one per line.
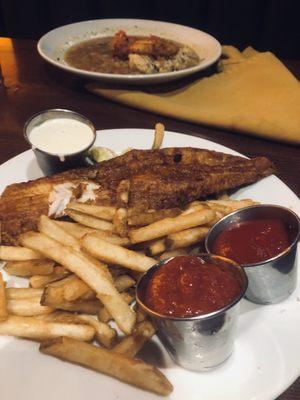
(52, 163)
(272, 280)
(198, 343)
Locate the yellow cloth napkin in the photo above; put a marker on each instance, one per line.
(252, 93)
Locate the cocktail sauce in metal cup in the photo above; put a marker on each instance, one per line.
(59, 159)
(274, 279)
(202, 342)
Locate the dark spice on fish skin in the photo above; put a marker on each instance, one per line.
(159, 179)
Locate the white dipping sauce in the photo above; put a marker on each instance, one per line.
(61, 136)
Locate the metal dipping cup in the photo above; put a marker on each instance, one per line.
(51, 163)
(203, 342)
(272, 280)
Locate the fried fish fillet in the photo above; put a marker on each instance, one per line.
(158, 179)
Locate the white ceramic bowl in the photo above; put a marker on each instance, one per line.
(53, 45)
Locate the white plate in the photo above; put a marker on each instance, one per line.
(53, 45)
(267, 351)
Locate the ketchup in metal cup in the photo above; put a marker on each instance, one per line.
(187, 286)
(250, 242)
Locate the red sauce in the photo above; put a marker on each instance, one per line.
(188, 286)
(252, 241)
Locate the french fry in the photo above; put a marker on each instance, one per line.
(84, 306)
(132, 344)
(51, 229)
(186, 238)
(171, 225)
(122, 194)
(65, 317)
(12, 253)
(90, 272)
(88, 295)
(105, 316)
(132, 371)
(223, 196)
(174, 253)
(142, 219)
(193, 250)
(120, 221)
(195, 203)
(74, 288)
(68, 289)
(90, 221)
(3, 301)
(76, 291)
(158, 136)
(78, 231)
(128, 297)
(124, 282)
(111, 238)
(116, 271)
(218, 216)
(102, 212)
(195, 206)
(62, 281)
(29, 267)
(120, 217)
(27, 307)
(33, 328)
(114, 254)
(230, 204)
(104, 334)
(157, 246)
(220, 208)
(135, 274)
(23, 293)
(75, 229)
(40, 281)
(53, 294)
(140, 315)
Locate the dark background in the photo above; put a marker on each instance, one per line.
(264, 24)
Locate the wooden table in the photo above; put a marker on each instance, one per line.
(30, 86)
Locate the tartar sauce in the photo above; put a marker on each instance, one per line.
(61, 136)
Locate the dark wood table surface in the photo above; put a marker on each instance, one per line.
(31, 86)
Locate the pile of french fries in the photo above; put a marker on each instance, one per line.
(80, 301)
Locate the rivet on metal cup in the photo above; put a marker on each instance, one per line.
(201, 342)
(60, 139)
(273, 279)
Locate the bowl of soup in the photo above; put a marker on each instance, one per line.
(87, 49)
